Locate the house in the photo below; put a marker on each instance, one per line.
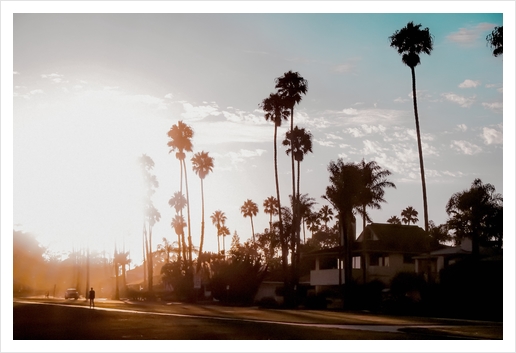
(379, 253)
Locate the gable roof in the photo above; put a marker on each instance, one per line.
(386, 237)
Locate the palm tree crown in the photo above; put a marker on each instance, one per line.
(274, 108)
(291, 86)
(249, 209)
(409, 215)
(299, 142)
(412, 41)
(180, 139)
(202, 164)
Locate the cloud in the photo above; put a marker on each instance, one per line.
(231, 160)
(346, 67)
(111, 88)
(464, 102)
(54, 77)
(325, 143)
(333, 137)
(356, 132)
(36, 91)
(469, 84)
(468, 36)
(495, 106)
(465, 147)
(169, 95)
(16, 73)
(492, 136)
(401, 100)
(462, 127)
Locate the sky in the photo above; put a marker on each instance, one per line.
(89, 87)
(93, 92)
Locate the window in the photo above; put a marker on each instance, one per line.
(379, 260)
(356, 262)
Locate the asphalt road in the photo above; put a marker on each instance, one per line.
(57, 319)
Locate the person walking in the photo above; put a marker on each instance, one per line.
(92, 297)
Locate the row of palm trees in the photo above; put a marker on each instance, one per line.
(408, 215)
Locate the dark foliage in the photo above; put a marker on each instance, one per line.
(237, 280)
(495, 40)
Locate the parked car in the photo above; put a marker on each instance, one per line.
(71, 293)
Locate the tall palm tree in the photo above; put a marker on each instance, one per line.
(313, 222)
(202, 165)
(166, 248)
(412, 41)
(299, 143)
(178, 201)
(181, 140)
(409, 215)
(178, 223)
(153, 216)
(291, 86)
(250, 209)
(275, 111)
(218, 218)
(374, 181)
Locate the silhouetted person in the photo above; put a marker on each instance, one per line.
(92, 297)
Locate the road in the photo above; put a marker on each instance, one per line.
(58, 319)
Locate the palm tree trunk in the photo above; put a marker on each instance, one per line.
(252, 227)
(294, 202)
(144, 254)
(188, 215)
(420, 150)
(202, 227)
(284, 247)
(149, 262)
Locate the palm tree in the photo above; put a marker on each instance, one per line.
(178, 201)
(167, 248)
(495, 40)
(326, 215)
(409, 215)
(202, 165)
(344, 194)
(153, 216)
(412, 41)
(291, 86)
(181, 140)
(313, 222)
(223, 231)
(394, 220)
(374, 180)
(270, 206)
(275, 111)
(305, 205)
(250, 209)
(476, 214)
(218, 218)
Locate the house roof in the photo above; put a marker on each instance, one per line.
(385, 237)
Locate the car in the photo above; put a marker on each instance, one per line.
(71, 293)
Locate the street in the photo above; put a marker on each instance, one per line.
(59, 319)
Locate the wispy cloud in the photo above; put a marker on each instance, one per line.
(346, 67)
(54, 77)
(464, 102)
(469, 35)
(462, 127)
(465, 147)
(36, 91)
(469, 84)
(495, 106)
(493, 136)
(169, 95)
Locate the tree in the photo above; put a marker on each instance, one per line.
(374, 181)
(394, 220)
(412, 41)
(276, 111)
(181, 140)
(344, 194)
(326, 215)
(305, 205)
(166, 248)
(476, 214)
(299, 143)
(409, 215)
(202, 165)
(218, 218)
(249, 209)
(151, 214)
(224, 231)
(178, 202)
(291, 86)
(270, 207)
(495, 40)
